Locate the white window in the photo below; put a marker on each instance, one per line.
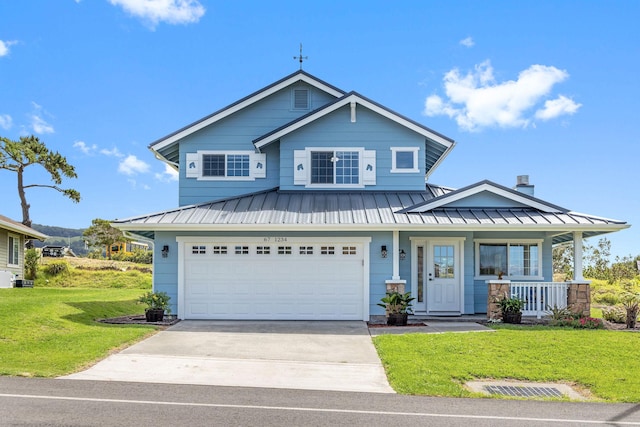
(225, 165)
(300, 99)
(515, 259)
(13, 251)
(263, 250)
(198, 249)
(219, 250)
(306, 250)
(334, 167)
(404, 159)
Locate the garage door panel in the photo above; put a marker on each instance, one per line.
(276, 282)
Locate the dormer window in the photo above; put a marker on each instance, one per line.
(352, 167)
(404, 159)
(300, 99)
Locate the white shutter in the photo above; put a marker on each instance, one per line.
(369, 167)
(299, 167)
(192, 166)
(258, 165)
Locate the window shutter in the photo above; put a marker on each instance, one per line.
(299, 167)
(369, 167)
(192, 166)
(258, 165)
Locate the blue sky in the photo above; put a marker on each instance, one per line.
(547, 89)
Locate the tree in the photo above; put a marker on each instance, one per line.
(102, 234)
(15, 156)
(563, 260)
(598, 259)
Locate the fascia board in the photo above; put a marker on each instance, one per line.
(455, 196)
(194, 127)
(561, 228)
(22, 230)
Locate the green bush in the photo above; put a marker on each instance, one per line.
(615, 314)
(57, 267)
(137, 256)
(607, 298)
(578, 322)
(31, 258)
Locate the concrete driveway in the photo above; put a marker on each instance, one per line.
(273, 354)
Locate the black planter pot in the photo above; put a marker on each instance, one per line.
(154, 314)
(511, 317)
(397, 319)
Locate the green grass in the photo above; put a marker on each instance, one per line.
(605, 362)
(87, 279)
(50, 332)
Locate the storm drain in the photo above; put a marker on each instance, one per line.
(521, 391)
(530, 390)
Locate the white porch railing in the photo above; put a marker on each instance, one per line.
(540, 297)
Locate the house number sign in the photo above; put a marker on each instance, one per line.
(275, 239)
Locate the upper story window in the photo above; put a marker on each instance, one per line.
(225, 165)
(335, 167)
(517, 259)
(352, 167)
(404, 159)
(14, 251)
(300, 99)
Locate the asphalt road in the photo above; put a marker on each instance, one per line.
(53, 402)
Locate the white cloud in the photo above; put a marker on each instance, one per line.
(6, 121)
(557, 107)
(169, 174)
(468, 42)
(4, 47)
(169, 11)
(38, 124)
(131, 165)
(86, 149)
(476, 100)
(114, 152)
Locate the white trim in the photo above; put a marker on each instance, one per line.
(453, 197)
(476, 254)
(348, 100)
(162, 143)
(364, 241)
(309, 174)
(396, 150)
(16, 239)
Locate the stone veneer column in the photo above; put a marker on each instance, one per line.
(579, 297)
(396, 285)
(497, 289)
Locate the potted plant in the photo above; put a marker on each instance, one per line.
(511, 308)
(398, 307)
(157, 304)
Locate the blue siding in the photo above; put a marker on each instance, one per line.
(485, 199)
(371, 131)
(236, 132)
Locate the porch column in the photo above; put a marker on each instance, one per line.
(577, 256)
(395, 250)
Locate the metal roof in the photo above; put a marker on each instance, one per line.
(16, 227)
(275, 209)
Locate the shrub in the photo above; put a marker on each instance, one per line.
(557, 313)
(57, 267)
(615, 314)
(31, 258)
(607, 298)
(578, 322)
(631, 304)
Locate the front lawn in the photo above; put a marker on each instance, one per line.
(605, 362)
(52, 332)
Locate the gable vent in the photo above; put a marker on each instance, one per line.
(301, 99)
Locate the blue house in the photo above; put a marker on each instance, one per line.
(302, 201)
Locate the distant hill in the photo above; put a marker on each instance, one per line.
(60, 236)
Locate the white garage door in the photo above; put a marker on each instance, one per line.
(283, 280)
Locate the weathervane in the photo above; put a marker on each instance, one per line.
(300, 57)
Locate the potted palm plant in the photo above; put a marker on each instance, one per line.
(511, 308)
(157, 305)
(397, 307)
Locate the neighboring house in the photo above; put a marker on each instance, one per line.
(12, 240)
(302, 201)
(126, 247)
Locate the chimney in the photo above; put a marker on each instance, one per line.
(523, 186)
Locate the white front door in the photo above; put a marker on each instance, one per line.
(437, 276)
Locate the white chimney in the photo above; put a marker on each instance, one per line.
(522, 185)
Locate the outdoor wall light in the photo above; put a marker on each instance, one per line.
(383, 251)
(403, 254)
(165, 251)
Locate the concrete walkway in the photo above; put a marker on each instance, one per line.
(273, 354)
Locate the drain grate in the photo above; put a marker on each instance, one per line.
(523, 391)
